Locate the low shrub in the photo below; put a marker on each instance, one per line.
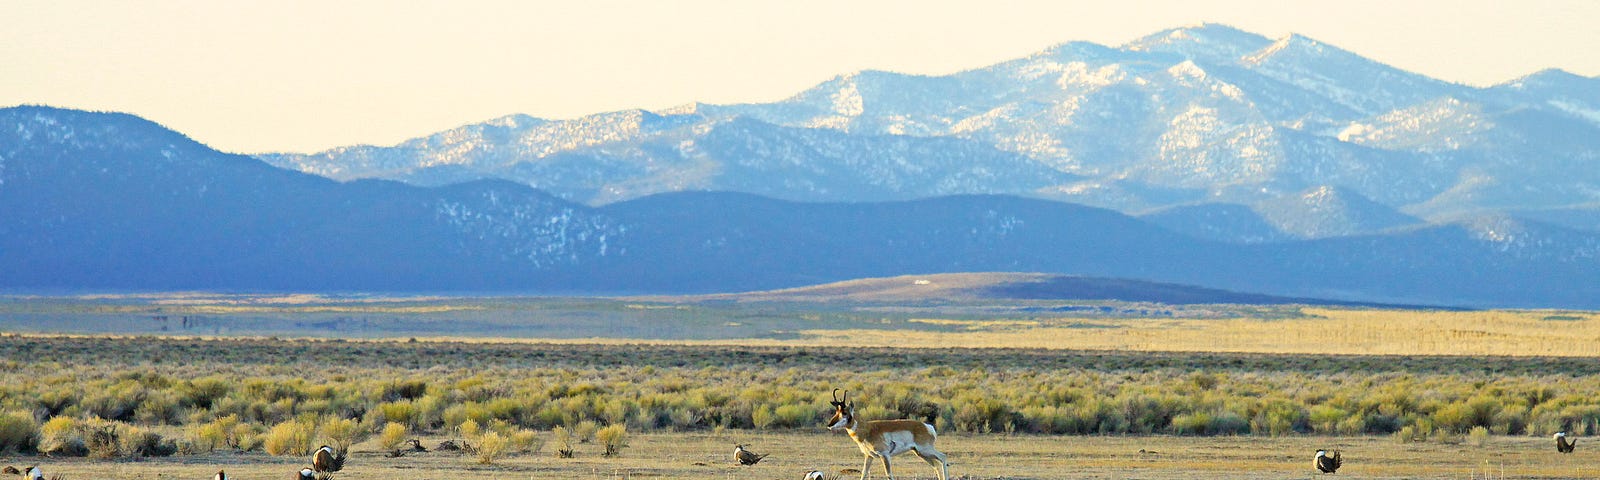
(1478, 437)
(614, 438)
(341, 433)
(563, 440)
(291, 438)
(392, 436)
(526, 441)
(585, 431)
(137, 442)
(61, 437)
(19, 433)
(490, 446)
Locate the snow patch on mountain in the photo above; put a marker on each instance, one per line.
(1441, 125)
(535, 232)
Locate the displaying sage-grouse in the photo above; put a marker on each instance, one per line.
(326, 460)
(1562, 445)
(306, 474)
(746, 457)
(1328, 463)
(814, 475)
(221, 475)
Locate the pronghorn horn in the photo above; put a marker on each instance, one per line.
(836, 396)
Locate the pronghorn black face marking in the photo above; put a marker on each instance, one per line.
(1328, 463)
(844, 411)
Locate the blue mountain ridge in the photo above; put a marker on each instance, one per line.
(107, 202)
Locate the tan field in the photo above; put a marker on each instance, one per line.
(791, 455)
(1314, 330)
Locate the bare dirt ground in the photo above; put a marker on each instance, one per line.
(994, 456)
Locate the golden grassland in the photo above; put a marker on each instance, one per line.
(992, 456)
(1022, 324)
(1026, 324)
(1318, 331)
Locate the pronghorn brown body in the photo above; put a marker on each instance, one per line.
(886, 438)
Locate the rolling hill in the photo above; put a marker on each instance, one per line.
(108, 202)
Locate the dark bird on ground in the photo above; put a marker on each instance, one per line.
(416, 446)
(1328, 463)
(746, 457)
(1562, 445)
(30, 473)
(326, 460)
(221, 475)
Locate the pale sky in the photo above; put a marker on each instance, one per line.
(302, 76)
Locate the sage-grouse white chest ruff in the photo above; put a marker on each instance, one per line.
(1563, 445)
(1328, 462)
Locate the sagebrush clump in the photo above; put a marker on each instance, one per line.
(244, 405)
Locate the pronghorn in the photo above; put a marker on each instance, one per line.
(1562, 445)
(746, 457)
(887, 438)
(1328, 463)
(325, 460)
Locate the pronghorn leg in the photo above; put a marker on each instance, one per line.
(937, 460)
(866, 468)
(886, 471)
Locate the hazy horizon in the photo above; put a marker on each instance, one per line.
(308, 76)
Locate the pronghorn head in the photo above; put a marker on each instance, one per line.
(844, 411)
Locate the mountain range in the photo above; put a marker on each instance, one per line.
(1305, 139)
(1201, 156)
